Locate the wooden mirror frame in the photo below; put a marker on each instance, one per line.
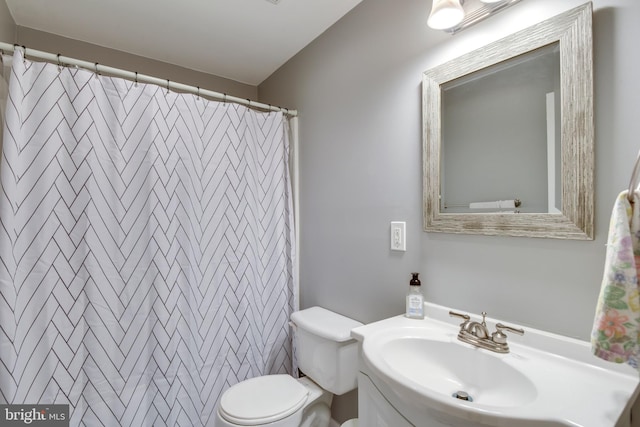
(572, 30)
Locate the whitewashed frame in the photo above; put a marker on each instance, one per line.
(573, 31)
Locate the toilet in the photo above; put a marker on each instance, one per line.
(326, 354)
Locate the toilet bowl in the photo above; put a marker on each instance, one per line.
(326, 355)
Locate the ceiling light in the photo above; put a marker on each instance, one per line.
(451, 16)
(445, 14)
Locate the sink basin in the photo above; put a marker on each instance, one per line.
(446, 367)
(420, 368)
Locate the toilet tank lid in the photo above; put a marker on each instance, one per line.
(325, 324)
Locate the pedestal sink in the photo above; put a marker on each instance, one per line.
(425, 374)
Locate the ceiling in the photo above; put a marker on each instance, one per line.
(242, 40)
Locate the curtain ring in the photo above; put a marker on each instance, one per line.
(59, 63)
(167, 86)
(136, 79)
(198, 92)
(249, 102)
(224, 98)
(97, 73)
(16, 46)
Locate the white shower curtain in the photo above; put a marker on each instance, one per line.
(146, 248)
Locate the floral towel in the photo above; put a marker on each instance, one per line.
(616, 327)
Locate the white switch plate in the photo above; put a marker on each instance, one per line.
(398, 236)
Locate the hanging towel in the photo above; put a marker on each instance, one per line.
(616, 327)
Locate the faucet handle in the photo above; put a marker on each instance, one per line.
(500, 327)
(464, 317)
(499, 337)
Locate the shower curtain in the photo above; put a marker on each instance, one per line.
(146, 248)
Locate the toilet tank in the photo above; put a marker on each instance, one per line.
(325, 350)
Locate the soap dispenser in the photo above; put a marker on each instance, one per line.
(415, 300)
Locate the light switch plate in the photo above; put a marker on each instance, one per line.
(398, 236)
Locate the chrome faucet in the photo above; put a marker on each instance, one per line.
(477, 334)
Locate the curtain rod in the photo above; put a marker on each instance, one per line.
(142, 78)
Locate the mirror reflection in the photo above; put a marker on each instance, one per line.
(500, 137)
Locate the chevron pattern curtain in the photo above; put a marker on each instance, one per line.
(146, 248)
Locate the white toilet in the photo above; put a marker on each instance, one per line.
(326, 353)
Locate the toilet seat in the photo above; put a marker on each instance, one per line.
(262, 400)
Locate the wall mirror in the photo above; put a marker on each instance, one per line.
(508, 135)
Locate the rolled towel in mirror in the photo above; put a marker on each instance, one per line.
(498, 204)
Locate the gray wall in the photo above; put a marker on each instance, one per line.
(114, 58)
(7, 24)
(357, 88)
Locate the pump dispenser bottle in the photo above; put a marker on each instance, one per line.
(415, 300)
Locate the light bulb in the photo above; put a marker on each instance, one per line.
(445, 14)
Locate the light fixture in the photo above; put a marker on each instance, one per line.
(445, 14)
(451, 16)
